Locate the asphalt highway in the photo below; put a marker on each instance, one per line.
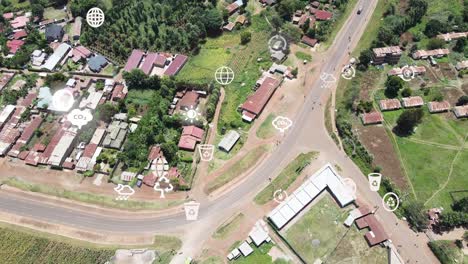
(307, 133)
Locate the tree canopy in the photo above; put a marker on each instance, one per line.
(159, 25)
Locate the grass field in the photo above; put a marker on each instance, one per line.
(303, 56)
(286, 177)
(24, 245)
(266, 129)
(226, 228)
(323, 222)
(53, 13)
(107, 201)
(320, 233)
(447, 252)
(244, 164)
(434, 177)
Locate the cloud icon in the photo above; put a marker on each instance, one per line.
(79, 117)
(282, 123)
(124, 191)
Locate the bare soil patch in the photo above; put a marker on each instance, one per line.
(447, 70)
(452, 95)
(377, 142)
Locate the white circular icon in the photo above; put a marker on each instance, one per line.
(280, 195)
(348, 72)
(95, 17)
(62, 100)
(407, 73)
(277, 43)
(390, 201)
(224, 75)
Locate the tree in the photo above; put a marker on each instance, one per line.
(311, 33)
(365, 58)
(434, 27)
(435, 43)
(461, 205)
(245, 37)
(406, 92)
(106, 112)
(213, 21)
(408, 120)
(135, 79)
(449, 220)
(460, 45)
(393, 84)
(37, 10)
(463, 100)
(415, 213)
(294, 72)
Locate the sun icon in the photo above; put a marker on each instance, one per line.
(192, 114)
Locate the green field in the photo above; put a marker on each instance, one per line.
(320, 233)
(18, 247)
(266, 129)
(447, 252)
(286, 177)
(24, 245)
(260, 255)
(244, 164)
(433, 157)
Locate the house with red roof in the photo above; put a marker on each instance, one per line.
(191, 135)
(80, 53)
(14, 45)
(255, 103)
(134, 60)
(309, 41)
(8, 16)
(19, 22)
(20, 34)
(189, 100)
(323, 15)
(119, 93)
(374, 117)
(176, 65)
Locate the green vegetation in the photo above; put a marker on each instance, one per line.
(226, 228)
(260, 255)
(303, 56)
(10, 96)
(19, 247)
(243, 165)
(107, 201)
(44, 247)
(446, 251)
(286, 177)
(266, 129)
(320, 233)
(162, 25)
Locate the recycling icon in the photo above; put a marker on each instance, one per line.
(159, 188)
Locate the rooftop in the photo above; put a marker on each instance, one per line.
(176, 65)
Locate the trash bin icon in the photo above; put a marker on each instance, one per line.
(191, 210)
(206, 152)
(374, 181)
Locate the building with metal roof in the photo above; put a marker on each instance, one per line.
(229, 140)
(325, 178)
(56, 57)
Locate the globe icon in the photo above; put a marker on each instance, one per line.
(95, 17)
(224, 75)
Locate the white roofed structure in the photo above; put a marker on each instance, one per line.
(325, 178)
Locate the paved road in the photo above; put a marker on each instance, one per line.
(307, 133)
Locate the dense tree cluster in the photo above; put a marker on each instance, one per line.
(408, 120)
(155, 127)
(160, 25)
(33, 41)
(393, 85)
(396, 24)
